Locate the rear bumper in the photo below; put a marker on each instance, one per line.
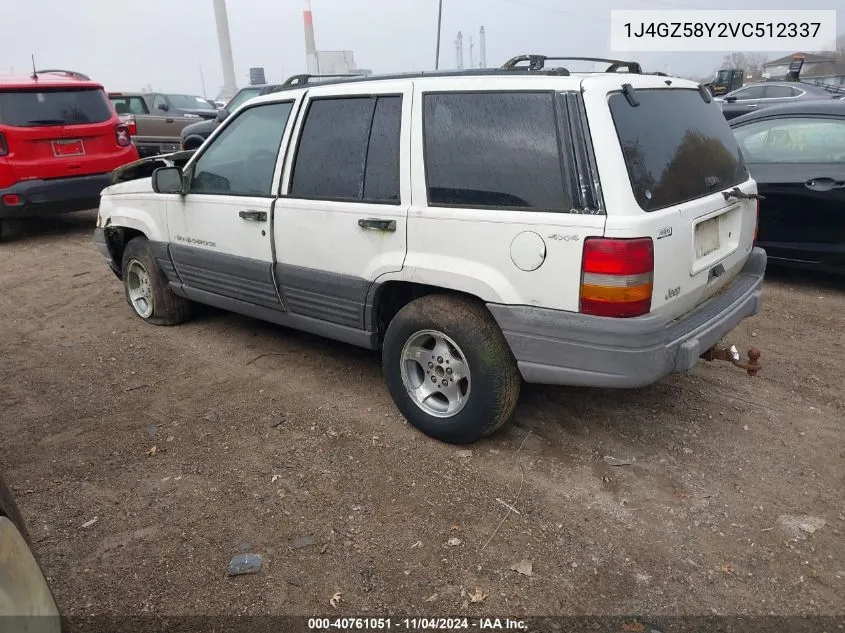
(568, 348)
(59, 195)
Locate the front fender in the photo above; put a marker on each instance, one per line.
(137, 213)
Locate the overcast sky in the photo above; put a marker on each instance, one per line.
(128, 45)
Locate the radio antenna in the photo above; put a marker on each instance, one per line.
(34, 72)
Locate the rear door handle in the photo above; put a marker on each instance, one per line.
(257, 216)
(377, 224)
(752, 105)
(824, 184)
(168, 120)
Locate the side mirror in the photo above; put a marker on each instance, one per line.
(163, 106)
(730, 99)
(168, 180)
(222, 115)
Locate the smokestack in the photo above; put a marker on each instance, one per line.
(312, 65)
(471, 53)
(225, 43)
(459, 45)
(482, 49)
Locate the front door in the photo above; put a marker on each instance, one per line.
(799, 166)
(341, 221)
(221, 230)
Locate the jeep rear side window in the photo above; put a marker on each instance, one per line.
(676, 147)
(64, 106)
(242, 159)
(349, 150)
(493, 150)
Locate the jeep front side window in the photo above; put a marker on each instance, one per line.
(242, 159)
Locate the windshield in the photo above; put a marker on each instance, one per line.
(60, 106)
(241, 97)
(676, 146)
(189, 102)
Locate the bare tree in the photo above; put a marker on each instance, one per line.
(750, 63)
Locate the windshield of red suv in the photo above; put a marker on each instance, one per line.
(53, 106)
(189, 102)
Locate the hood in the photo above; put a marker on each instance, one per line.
(201, 128)
(144, 168)
(141, 185)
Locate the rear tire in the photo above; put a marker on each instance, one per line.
(147, 290)
(449, 368)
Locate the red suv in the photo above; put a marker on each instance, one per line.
(59, 140)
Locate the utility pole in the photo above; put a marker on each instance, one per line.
(439, 23)
(202, 80)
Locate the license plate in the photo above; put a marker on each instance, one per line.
(68, 147)
(707, 238)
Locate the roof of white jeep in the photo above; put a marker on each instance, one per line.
(493, 80)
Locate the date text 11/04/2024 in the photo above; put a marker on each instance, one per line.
(415, 624)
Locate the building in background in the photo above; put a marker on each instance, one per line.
(815, 65)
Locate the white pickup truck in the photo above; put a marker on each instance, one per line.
(480, 228)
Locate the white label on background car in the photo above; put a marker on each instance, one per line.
(722, 30)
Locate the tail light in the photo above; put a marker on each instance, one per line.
(617, 276)
(4, 146)
(131, 123)
(757, 220)
(121, 132)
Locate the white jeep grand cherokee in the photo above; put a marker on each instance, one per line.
(481, 228)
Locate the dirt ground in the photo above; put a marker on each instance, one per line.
(732, 502)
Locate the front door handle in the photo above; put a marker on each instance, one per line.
(824, 184)
(257, 216)
(751, 105)
(377, 224)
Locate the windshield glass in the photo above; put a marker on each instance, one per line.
(189, 102)
(60, 106)
(676, 146)
(241, 97)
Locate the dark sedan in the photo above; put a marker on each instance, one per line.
(764, 94)
(796, 153)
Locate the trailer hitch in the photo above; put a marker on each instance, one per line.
(731, 355)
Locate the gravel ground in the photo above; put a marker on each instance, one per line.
(144, 458)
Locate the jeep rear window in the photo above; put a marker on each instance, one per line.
(676, 146)
(60, 106)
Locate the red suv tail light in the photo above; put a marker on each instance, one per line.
(129, 120)
(617, 276)
(4, 147)
(121, 132)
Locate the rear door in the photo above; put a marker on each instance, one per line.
(799, 165)
(341, 221)
(58, 132)
(664, 164)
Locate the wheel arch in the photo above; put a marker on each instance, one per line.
(387, 298)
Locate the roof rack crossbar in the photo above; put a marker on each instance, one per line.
(59, 71)
(295, 80)
(538, 62)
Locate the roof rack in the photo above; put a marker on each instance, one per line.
(538, 62)
(68, 73)
(296, 80)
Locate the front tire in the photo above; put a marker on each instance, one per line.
(449, 368)
(147, 290)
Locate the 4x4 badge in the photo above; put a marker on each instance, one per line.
(565, 238)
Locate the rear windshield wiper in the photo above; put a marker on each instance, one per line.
(46, 122)
(741, 195)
